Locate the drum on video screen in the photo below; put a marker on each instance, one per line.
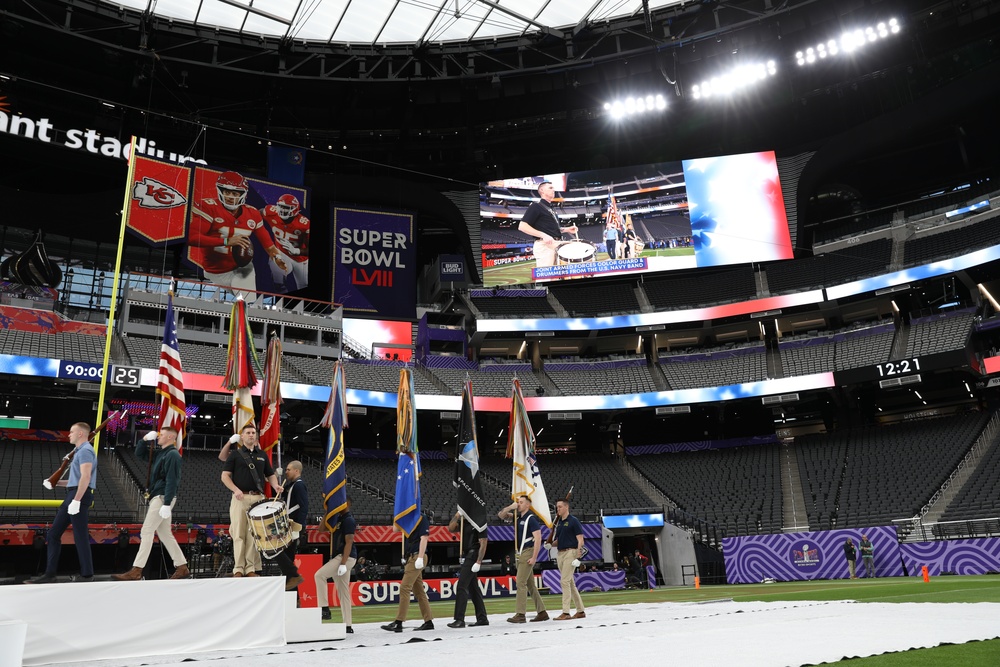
(269, 527)
(575, 252)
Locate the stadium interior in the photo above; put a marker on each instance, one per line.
(852, 385)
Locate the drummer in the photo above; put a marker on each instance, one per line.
(244, 473)
(541, 221)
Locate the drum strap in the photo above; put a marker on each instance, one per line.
(250, 464)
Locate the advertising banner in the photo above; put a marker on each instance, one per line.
(809, 555)
(247, 233)
(972, 556)
(159, 198)
(375, 258)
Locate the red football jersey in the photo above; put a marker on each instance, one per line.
(212, 223)
(291, 236)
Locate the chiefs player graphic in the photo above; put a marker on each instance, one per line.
(219, 236)
(291, 234)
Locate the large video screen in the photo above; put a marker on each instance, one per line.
(378, 339)
(656, 217)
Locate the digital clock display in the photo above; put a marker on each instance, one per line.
(898, 367)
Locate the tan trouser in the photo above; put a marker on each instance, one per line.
(155, 524)
(246, 558)
(850, 567)
(413, 580)
(566, 572)
(343, 584)
(526, 584)
(545, 254)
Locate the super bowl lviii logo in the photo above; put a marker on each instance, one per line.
(806, 556)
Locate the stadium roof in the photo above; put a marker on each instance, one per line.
(394, 21)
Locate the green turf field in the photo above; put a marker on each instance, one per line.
(896, 589)
(519, 274)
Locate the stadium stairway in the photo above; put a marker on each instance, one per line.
(899, 342)
(656, 497)
(561, 311)
(543, 379)
(793, 504)
(640, 295)
(988, 440)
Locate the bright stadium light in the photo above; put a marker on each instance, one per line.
(635, 106)
(735, 80)
(849, 42)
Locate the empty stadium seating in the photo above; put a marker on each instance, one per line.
(719, 368)
(62, 345)
(858, 261)
(939, 333)
(821, 352)
(604, 299)
(700, 289)
(586, 380)
(979, 498)
(930, 247)
(514, 306)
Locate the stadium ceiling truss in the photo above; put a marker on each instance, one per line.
(265, 42)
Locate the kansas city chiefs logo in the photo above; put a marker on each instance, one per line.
(150, 193)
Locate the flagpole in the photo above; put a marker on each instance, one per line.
(109, 332)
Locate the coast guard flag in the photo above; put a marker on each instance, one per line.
(471, 501)
(334, 473)
(521, 448)
(170, 382)
(407, 504)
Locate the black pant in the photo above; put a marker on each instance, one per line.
(286, 559)
(468, 587)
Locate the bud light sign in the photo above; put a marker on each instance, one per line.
(452, 268)
(375, 260)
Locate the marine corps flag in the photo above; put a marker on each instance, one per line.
(407, 503)
(334, 473)
(240, 375)
(270, 398)
(521, 448)
(471, 501)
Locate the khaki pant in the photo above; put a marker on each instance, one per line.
(850, 567)
(413, 581)
(545, 253)
(566, 572)
(155, 524)
(343, 584)
(526, 584)
(246, 558)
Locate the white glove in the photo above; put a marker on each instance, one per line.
(74, 507)
(165, 512)
(295, 534)
(150, 436)
(234, 438)
(476, 567)
(47, 484)
(419, 563)
(342, 570)
(576, 562)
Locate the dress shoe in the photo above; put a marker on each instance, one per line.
(580, 614)
(181, 572)
(563, 617)
(540, 616)
(292, 582)
(457, 624)
(428, 625)
(42, 579)
(324, 613)
(517, 618)
(135, 574)
(252, 574)
(478, 624)
(395, 626)
(349, 630)
(80, 578)
(237, 574)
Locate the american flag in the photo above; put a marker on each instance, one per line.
(170, 383)
(613, 214)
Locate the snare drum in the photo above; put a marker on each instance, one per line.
(575, 252)
(269, 527)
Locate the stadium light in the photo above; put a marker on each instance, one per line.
(849, 42)
(635, 106)
(737, 79)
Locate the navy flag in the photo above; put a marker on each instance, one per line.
(471, 501)
(407, 513)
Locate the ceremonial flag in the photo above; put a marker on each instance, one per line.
(335, 475)
(471, 501)
(407, 505)
(170, 382)
(614, 215)
(521, 448)
(270, 398)
(241, 362)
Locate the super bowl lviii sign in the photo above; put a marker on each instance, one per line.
(375, 262)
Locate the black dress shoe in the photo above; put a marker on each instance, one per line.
(478, 624)
(395, 626)
(428, 625)
(324, 613)
(349, 630)
(42, 579)
(80, 577)
(457, 624)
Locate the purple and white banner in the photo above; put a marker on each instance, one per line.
(805, 556)
(375, 258)
(974, 556)
(586, 581)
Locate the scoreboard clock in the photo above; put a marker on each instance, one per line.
(899, 367)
